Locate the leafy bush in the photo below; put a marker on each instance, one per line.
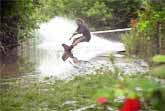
(158, 71)
(159, 59)
(136, 43)
(146, 39)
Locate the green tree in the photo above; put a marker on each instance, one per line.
(20, 17)
(147, 39)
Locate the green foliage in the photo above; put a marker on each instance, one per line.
(147, 38)
(146, 85)
(53, 94)
(94, 12)
(157, 99)
(138, 43)
(19, 18)
(159, 59)
(123, 11)
(158, 71)
(104, 92)
(22, 17)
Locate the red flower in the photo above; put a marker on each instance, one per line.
(131, 105)
(102, 100)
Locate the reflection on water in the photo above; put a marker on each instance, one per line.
(19, 60)
(9, 62)
(18, 64)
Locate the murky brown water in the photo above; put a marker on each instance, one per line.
(19, 60)
(9, 62)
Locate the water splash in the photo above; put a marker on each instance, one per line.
(58, 31)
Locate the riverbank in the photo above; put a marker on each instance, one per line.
(80, 93)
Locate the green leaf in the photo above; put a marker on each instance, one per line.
(108, 93)
(119, 92)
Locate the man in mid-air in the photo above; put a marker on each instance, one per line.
(82, 29)
(85, 37)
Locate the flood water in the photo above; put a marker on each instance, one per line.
(41, 56)
(58, 31)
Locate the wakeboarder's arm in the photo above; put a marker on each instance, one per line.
(75, 33)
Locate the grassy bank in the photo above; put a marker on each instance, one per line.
(59, 95)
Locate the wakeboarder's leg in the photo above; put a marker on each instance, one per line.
(75, 42)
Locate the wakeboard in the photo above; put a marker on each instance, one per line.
(67, 52)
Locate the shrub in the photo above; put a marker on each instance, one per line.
(159, 59)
